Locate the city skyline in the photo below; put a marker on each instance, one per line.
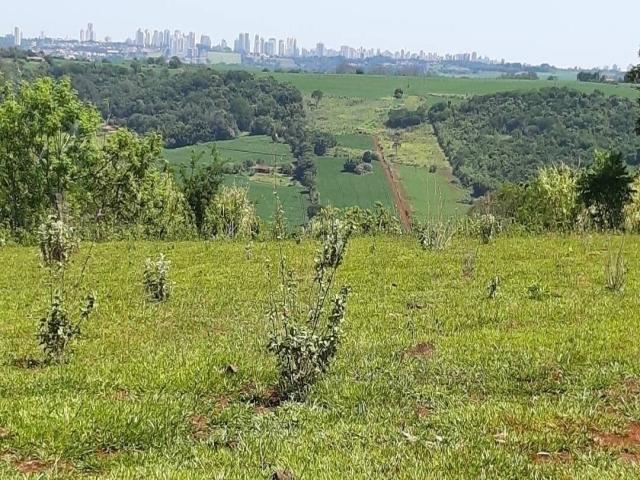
(547, 32)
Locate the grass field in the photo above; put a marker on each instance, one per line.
(432, 381)
(431, 195)
(258, 148)
(374, 87)
(355, 141)
(340, 189)
(293, 198)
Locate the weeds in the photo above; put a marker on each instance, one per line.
(57, 242)
(156, 279)
(469, 265)
(538, 292)
(493, 287)
(57, 328)
(436, 235)
(305, 338)
(615, 271)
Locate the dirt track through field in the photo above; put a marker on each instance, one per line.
(402, 206)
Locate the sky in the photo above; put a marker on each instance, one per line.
(565, 33)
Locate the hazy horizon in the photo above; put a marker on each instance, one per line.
(565, 34)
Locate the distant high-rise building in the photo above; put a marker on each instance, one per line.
(262, 46)
(256, 45)
(139, 38)
(281, 48)
(270, 47)
(90, 36)
(147, 38)
(247, 43)
(320, 49)
(205, 41)
(82, 36)
(166, 38)
(17, 36)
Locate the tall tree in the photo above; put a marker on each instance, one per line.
(48, 139)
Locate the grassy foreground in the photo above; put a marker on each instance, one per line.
(433, 380)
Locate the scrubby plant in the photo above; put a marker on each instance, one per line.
(156, 278)
(469, 264)
(488, 228)
(231, 215)
(57, 328)
(537, 291)
(305, 337)
(436, 235)
(57, 241)
(615, 271)
(492, 288)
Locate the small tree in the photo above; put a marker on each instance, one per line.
(305, 337)
(398, 93)
(397, 142)
(156, 279)
(605, 188)
(231, 215)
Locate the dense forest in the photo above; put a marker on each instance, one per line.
(186, 106)
(198, 105)
(509, 136)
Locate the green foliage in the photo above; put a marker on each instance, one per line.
(605, 188)
(352, 164)
(322, 142)
(469, 261)
(198, 105)
(398, 93)
(156, 279)
(57, 241)
(231, 215)
(404, 118)
(510, 136)
(435, 235)
(615, 271)
(377, 221)
(305, 337)
(47, 144)
(550, 202)
(57, 328)
(201, 183)
(317, 96)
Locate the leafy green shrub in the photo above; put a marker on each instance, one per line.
(379, 221)
(57, 328)
(305, 337)
(605, 188)
(536, 291)
(436, 235)
(488, 227)
(156, 279)
(231, 215)
(57, 241)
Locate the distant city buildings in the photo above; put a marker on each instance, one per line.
(150, 43)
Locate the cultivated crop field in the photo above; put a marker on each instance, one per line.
(374, 87)
(433, 379)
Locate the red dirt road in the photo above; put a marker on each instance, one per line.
(402, 206)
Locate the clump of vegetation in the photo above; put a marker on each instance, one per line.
(537, 291)
(57, 241)
(615, 271)
(492, 288)
(469, 264)
(156, 278)
(57, 328)
(231, 215)
(379, 221)
(488, 228)
(305, 337)
(436, 235)
(605, 188)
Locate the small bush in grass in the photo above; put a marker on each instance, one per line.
(156, 279)
(489, 228)
(469, 265)
(57, 327)
(436, 235)
(305, 337)
(57, 241)
(492, 288)
(537, 292)
(615, 271)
